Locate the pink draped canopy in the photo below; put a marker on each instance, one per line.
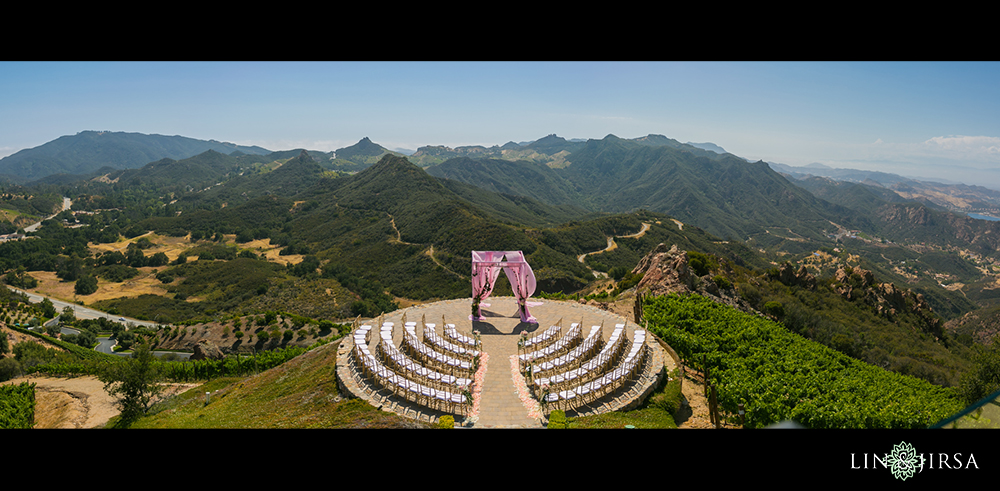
(486, 266)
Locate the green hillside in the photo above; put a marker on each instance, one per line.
(521, 178)
(300, 393)
(88, 151)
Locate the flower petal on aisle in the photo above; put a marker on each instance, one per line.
(529, 402)
(477, 391)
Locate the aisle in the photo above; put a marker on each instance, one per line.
(500, 406)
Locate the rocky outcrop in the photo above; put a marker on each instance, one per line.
(888, 301)
(206, 350)
(665, 270)
(788, 275)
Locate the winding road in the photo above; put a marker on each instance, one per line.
(612, 246)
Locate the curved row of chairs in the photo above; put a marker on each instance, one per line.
(462, 339)
(542, 340)
(598, 377)
(611, 352)
(445, 347)
(584, 350)
(371, 367)
(563, 371)
(395, 359)
(562, 346)
(429, 356)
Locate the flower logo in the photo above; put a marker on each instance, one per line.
(903, 461)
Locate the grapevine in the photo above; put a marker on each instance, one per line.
(780, 375)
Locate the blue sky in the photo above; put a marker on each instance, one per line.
(929, 119)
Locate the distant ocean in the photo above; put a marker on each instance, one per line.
(984, 217)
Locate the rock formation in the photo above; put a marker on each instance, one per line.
(206, 350)
(857, 284)
(788, 275)
(666, 270)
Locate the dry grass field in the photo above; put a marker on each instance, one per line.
(50, 285)
(145, 282)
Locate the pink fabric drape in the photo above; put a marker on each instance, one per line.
(485, 271)
(486, 266)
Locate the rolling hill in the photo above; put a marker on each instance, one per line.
(88, 151)
(721, 193)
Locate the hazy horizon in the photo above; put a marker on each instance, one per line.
(934, 120)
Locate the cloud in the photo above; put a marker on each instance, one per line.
(989, 145)
(878, 142)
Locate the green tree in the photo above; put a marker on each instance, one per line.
(134, 383)
(68, 315)
(48, 309)
(21, 279)
(53, 329)
(86, 285)
(984, 378)
(9, 368)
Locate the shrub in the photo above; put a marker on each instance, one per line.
(701, 263)
(618, 272)
(722, 282)
(774, 308)
(446, 422)
(9, 368)
(557, 419)
(670, 398)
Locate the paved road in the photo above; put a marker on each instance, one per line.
(67, 204)
(82, 312)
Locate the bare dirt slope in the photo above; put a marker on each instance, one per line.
(78, 402)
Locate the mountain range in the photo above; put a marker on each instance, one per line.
(950, 196)
(371, 227)
(551, 181)
(89, 151)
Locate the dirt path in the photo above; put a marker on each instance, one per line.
(399, 238)
(430, 252)
(612, 246)
(694, 414)
(72, 403)
(611, 242)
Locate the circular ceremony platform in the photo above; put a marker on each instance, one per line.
(503, 401)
